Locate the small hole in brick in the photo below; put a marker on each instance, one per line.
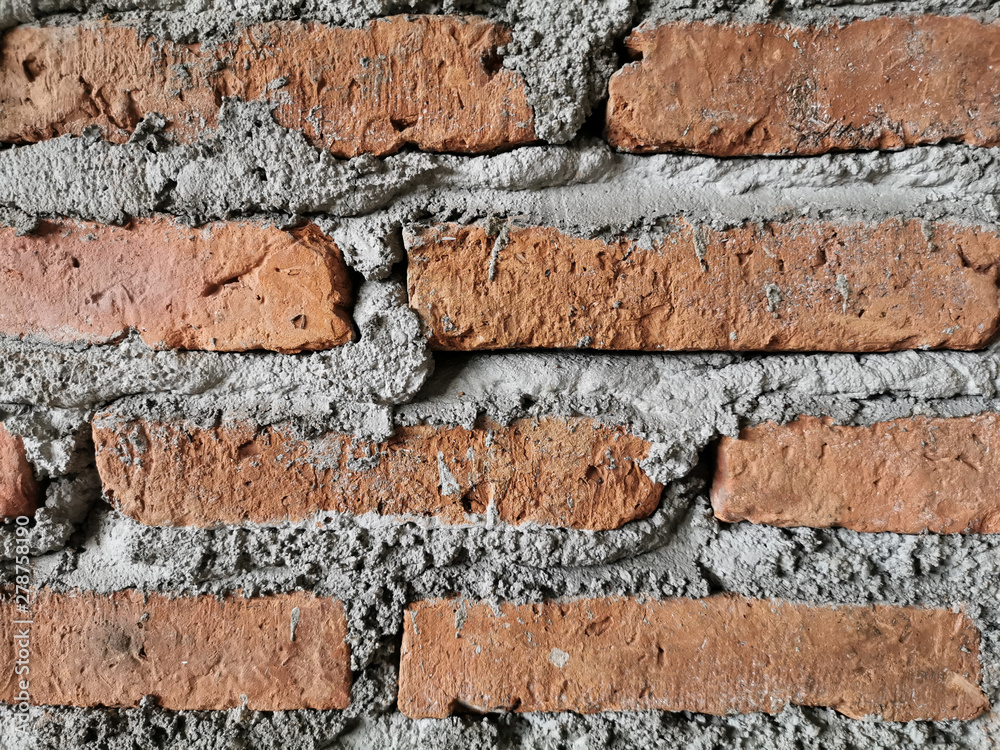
(492, 62)
(247, 450)
(399, 124)
(75, 262)
(299, 321)
(472, 504)
(598, 628)
(31, 68)
(212, 289)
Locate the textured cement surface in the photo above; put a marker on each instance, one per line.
(682, 403)
(251, 167)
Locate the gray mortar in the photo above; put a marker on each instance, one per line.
(222, 14)
(793, 729)
(251, 166)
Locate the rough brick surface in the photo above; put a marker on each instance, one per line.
(796, 286)
(18, 491)
(717, 655)
(435, 82)
(906, 476)
(225, 286)
(732, 89)
(280, 652)
(561, 472)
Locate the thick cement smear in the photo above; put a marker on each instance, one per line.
(385, 366)
(252, 168)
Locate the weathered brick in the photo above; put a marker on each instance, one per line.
(18, 491)
(226, 286)
(561, 472)
(770, 88)
(433, 81)
(195, 653)
(795, 286)
(906, 475)
(718, 655)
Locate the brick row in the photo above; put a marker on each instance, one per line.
(436, 82)
(770, 88)
(561, 472)
(720, 655)
(906, 475)
(194, 653)
(18, 489)
(792, 286)
(227, 286)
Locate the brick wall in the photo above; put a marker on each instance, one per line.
(528, 375)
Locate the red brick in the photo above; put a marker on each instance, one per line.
(18, 491)
(432, 81)
(189, 653)
(225, 287)
(770, 88)
(561, 472)
(719, 655)
(906, 475)
(796, 286)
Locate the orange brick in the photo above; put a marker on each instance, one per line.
(432, 81)
(796, 286)
(719, 655)
(271, 653)
(770, 88)
(226, 286)
(561, 472)
(906, 476)
(18, 491)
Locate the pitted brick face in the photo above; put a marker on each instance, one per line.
(18, 490)
(271, 653)
(720, 655)
(769, 88)
(224, 286)
(436, 82)
(790, 286)
(907, 476)
(558, 472)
